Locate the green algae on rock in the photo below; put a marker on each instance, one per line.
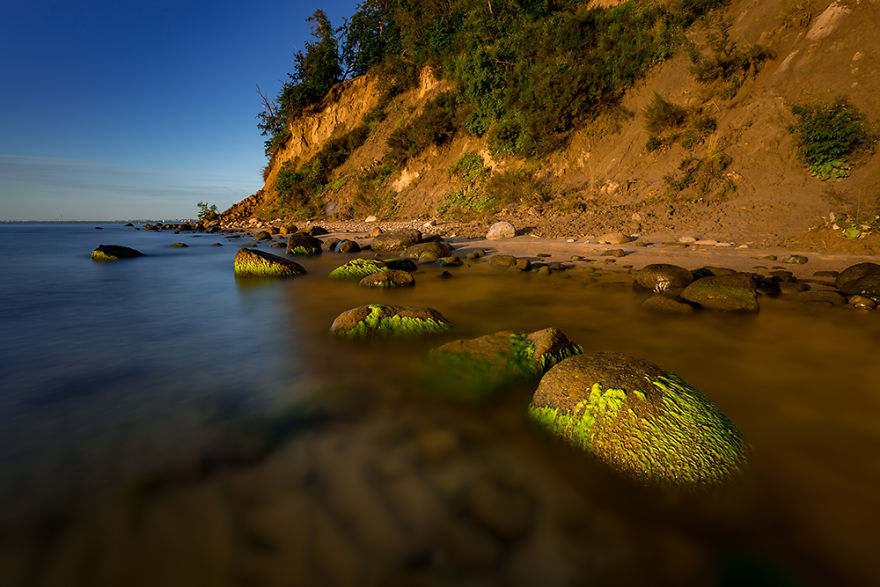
(730, 293)
(478, 367)
(178, 245)
(388, 278)
(382, 320)
(256, 263)
(114, 253)
(637, 418)
(303, 244)
(357, 269)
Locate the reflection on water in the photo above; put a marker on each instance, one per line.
(277, 454)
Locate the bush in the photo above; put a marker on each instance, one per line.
(470, 168)
(435, 125)
(662, 115)
(705, 176)
(828, 135)
(514, 187)
(725, 69)
(207, 212)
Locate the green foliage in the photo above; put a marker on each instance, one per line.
(700, 127)
(665, 120)
(470, 168)
(207, 212)
(369, 37)
(514, 187)
(434, 126)
(828, 135)
(662, 115)
(465, 203)
(706, 176)
(726, 67)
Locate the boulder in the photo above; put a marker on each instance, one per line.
(731, 293)
(661, 277)
(316, 230)
(256, 263)
(347, 246)
(178, 245)
(287, 229)
(862, 279)
(382, 320)
(396, 240)
(501, 230)
(303, 244)
(330, 244)
(401, 264)
(639, 419)
(450, 261)
(614, 238)
(416, 251)
(475, 368)
(357, 269)
(503, 260)
(388, 278)
(263, 235)
(114, 253)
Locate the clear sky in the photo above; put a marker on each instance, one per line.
(124, 109)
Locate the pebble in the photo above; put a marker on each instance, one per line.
(614, 253)
(370, 218)
(862, 303)
(795, 259)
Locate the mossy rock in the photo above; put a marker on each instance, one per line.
(256, 263)
(428, 257)
(729, 293)
(396, 240)
(662, 277)
(357, 269)
(401, 265)
(382, 320)
(388, 278)
(476, 368)
(439, 248)
(503, 261)
(862, 279)
(637, 418)
(302, 244)
(178, 245)
(114, 253)
(263, 235)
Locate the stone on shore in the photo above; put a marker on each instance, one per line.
(614, 238)
(388, 278)
(662, 277)
(728, 293)
(357, 269)
(303, 244)
(639, 419)
(501, 230)
(382, 320)
(256, 263)
(114, 253)
(396, 240)
(862, 279)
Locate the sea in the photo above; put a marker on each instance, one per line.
(163, 422)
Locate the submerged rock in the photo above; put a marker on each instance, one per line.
(667, 305)
(396, 240)
(178, 245)
(357, 269)
(382, 320)
(661, 277)
(730, 293)
(388, 278)
(256, 263)
(474, 368)
(639, 419)
(861, 279)
(114, 253)
(263, 235)
(303, 244)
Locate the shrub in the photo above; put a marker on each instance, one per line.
(470, 168)
(662, 115)
(828, 135)
(700, 127)
(726, 67)
(705, 176)
(435, 125)
(207, 212)
(514, 187)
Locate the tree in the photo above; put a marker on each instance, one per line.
(369, 36)
(207, 212)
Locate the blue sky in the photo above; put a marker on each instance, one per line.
(139, 108)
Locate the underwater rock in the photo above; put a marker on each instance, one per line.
(358, 269)
(638, 419)
(729, 293)
(256, 263)
(347, 246)
(450, 261)
(501, 230)
(388, 278)
(303, 244)
(178, 245)
(379, 319)
(661, 277)
(861, 279)
(396, 240)
(503, 260)
(417, 250)
(820, 297)
(474, 368)
(667, 305)
(114, 253)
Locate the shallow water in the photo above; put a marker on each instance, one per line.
(165, 422)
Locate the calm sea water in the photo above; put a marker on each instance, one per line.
(118, 379)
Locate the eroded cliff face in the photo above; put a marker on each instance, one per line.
(606, 171)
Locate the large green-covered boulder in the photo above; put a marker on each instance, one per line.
(862, 279)
(303, 244)
(475, 368)
(382, 320)
(662, 277)
(114, 253)
(256, 263)
(639, 419)
(357, 269)
(396, 240)
(730, 293)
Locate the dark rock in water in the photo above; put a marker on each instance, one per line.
(639, 419)
(731, 293)
(256, 263)
(330, 244)
(783, 276)
(503, 260)
(217, 245)
(417, 250)
(401, 264)
(97, 228)
(820, 297)
(347, 246)
(523, 264)
(316, 230)
(128, 224)
(277, 246)
(862, 303)
(178, 245)
(476, 367)
(357, 269)
(388, 278)
(444, 275)
(428, 257)
(792, 287)
(451, 261)
(661, 277)
(667, 305)
(263, 235)
(378, 319)
(303, 244)
(712, 271)
(861, 279)
(114, 253)
(613, 253)
(396, 240)
(795, 259)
